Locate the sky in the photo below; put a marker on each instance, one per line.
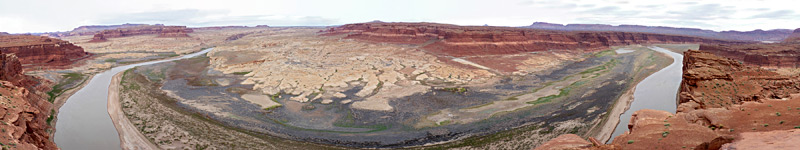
(23, 16)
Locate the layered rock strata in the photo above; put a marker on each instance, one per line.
(461, 41)
(89, 30)
(41, 51)
(723, 104)
(161, 30)
(25, 114)
(760, 54)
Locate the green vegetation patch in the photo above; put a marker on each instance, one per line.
(460, 90)
(241, 73)
(69, 79)
(605, 53)
(111, 60)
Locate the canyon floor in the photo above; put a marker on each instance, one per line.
(328, 92)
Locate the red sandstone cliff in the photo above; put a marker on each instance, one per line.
(24, 113)
(41, 51)
(88, 30)
(760, 54)
(723, 103)
(161, 30)
(459, 41)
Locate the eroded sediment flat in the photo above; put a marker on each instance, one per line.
(291, 83)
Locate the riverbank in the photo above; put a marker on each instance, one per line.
(61, 99)
(655, 88)
(622, 105)
(129, 135)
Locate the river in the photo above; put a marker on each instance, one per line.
(83, 121)
(658, 91)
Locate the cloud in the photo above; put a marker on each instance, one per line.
(778, 14)
(702, 12)
(612, 11)
(689, 23)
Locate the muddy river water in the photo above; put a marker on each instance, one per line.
(658, 91)
(84, 122)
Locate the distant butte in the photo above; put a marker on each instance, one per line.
(161, 30)
(41, 51)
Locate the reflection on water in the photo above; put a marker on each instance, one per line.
(658, 91)
(84, 122)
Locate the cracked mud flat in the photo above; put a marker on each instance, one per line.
(429, 114)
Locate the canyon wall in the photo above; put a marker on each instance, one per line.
(761, 54)
(161, 30)
(723, 103)
(24, 112)
(460, 41)
(88, 30)
(41, 51)
(755, 35)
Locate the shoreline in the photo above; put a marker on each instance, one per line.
(607, 131)
(621, 106)
(129, 136)
(62, 99)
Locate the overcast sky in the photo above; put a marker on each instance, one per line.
(19, 16)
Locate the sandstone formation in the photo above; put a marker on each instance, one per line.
(41, 51)
(785, 139)
(723, 104)
(161, 30)
(755, 35)
(566, 141)
(712, 81)
(464, 41)
(795, 37)
(721, 100)
(89, 30)
(25, 114)
(760, 54)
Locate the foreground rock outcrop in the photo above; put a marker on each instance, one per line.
(25, 113)
(41, 51)
(755, 35)
(461, 41)
(723, 104)
(161, 30)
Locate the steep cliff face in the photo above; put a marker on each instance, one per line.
(161, 30)
(755, 35)
(459, 41)
(24, 113)
(41, 51)
(723, 103)
(760, 54)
